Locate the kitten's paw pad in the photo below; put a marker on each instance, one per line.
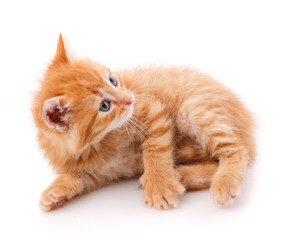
(54, 198)
(225, 189)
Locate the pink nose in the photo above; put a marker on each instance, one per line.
(129, 100)
(125, 98)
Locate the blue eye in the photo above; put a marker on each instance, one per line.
(105, 106)
(113, 80)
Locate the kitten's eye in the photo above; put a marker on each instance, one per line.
(113, 80)
(105, 106)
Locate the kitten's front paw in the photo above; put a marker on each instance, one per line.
(161, 193)
(55, 197)
(225, 189)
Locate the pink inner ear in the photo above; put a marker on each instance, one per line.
(55, 114)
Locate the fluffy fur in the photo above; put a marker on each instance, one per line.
(176, 127)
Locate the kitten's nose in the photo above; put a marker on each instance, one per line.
(129, 100)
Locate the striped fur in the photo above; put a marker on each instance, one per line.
(177, 127)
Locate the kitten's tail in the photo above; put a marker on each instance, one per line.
(197, 176)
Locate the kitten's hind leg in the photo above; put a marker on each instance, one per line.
(188, 153)
(65, 187)
(217, 132)
(197, 176)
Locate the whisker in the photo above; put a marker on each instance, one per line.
(139, 122)
(128, 133)
(143, 94)
(142, 89)
(141, 127)
(138, 114)
(139, 87)
(132, 84)
(135, 126)
(141, 98)
(145, 88)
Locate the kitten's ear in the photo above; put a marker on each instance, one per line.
(60, 56)
(56, 114)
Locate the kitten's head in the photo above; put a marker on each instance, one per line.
(80, 101)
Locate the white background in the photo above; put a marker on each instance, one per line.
(243, 44)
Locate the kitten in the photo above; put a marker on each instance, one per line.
(177, 127)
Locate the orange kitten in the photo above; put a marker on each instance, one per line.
(177, 127)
